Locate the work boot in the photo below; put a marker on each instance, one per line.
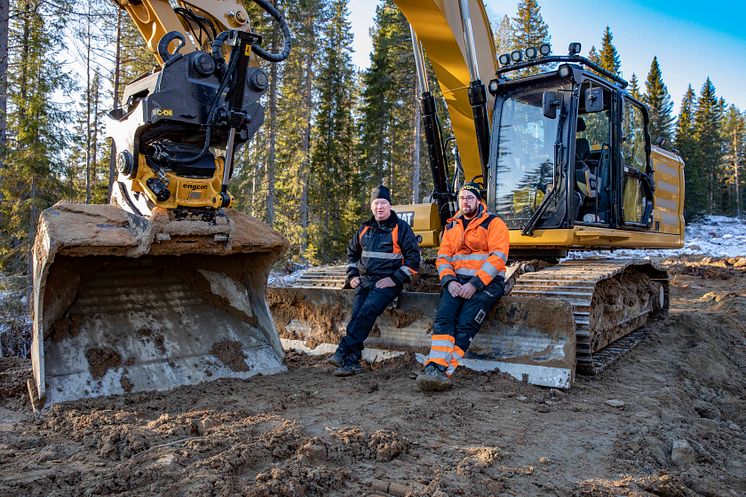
(337, 359)
(350, 368)
(433, 379)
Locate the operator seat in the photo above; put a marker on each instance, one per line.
(585, 179)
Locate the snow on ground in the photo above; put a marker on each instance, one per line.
(712, 236)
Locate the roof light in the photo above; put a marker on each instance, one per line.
(564, 71)
(574, 48)
(516, 56)
(545, 49)
(504, 59)
(532, 53)
(492, 87)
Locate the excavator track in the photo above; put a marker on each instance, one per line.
(610, 300)
(322, 277)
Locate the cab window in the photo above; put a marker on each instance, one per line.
(637, 197)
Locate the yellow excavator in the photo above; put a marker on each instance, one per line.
(566, 160)
(166, 286)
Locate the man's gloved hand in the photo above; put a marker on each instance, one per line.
(454, 288)
(385, 283)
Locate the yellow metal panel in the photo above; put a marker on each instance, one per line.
(668, 214)
(438, 26)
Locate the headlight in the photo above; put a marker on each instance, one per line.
(564, 71)
(574, 48)
(516, 56)
(504, 59)
(545, 49)
(531, 53)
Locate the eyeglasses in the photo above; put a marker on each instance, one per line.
(466, 198)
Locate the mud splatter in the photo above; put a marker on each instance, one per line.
(102, 360)
(229, 352)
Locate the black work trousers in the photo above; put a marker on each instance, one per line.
(369, 303)
(461, 318)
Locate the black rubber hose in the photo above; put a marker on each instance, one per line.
(269, 56)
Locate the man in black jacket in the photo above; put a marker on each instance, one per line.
(381, 257)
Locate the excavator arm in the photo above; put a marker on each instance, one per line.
(457, 38)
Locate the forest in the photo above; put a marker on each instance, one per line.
(331, 132)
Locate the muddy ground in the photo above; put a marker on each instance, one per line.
(668, 420)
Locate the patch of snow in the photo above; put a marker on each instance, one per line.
(713, 236)
(280, 279)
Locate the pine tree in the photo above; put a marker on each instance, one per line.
(707, 130)
(659, 103)
(529, 29)
(686, 145)
(609, 58)
(634, 87)
(734, 138)
(333, 156)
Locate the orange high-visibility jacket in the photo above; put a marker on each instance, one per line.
(476, 255)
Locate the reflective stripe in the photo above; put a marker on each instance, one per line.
(456, 357)
(446, 257)
(443, 268)
(444, 340)
(488, 268)
(380, 255)
(408, 271)
(352, 265)
(466, 272)
(437, 360)
(500, 255)
(470, 257)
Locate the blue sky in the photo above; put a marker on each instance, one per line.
(692, 40)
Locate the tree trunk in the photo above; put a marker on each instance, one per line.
(272, 136)
(88, 108)
(4, 14)
(307, 90)
(735, 171)
(117, 69)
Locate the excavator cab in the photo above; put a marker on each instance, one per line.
(570, 149)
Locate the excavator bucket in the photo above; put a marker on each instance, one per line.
(532, 340)
(128, 304)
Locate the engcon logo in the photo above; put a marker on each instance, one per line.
(163, 112)
(193, 186)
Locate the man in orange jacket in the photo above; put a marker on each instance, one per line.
(471, 266)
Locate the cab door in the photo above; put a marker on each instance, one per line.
(636, 178)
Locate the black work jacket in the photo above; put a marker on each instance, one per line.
(385, 249)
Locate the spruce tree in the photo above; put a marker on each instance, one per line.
(34, 168)
(593, 55)
(659, 103)
(387, 114)
(634, 87)
(609, 58)
(529, 29)
(686, 145)
(333, 156)
(707, 130)
(504, 36)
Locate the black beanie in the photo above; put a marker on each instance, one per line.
(380, 191)
(473, 188)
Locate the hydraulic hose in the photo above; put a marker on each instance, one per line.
(269, 56)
